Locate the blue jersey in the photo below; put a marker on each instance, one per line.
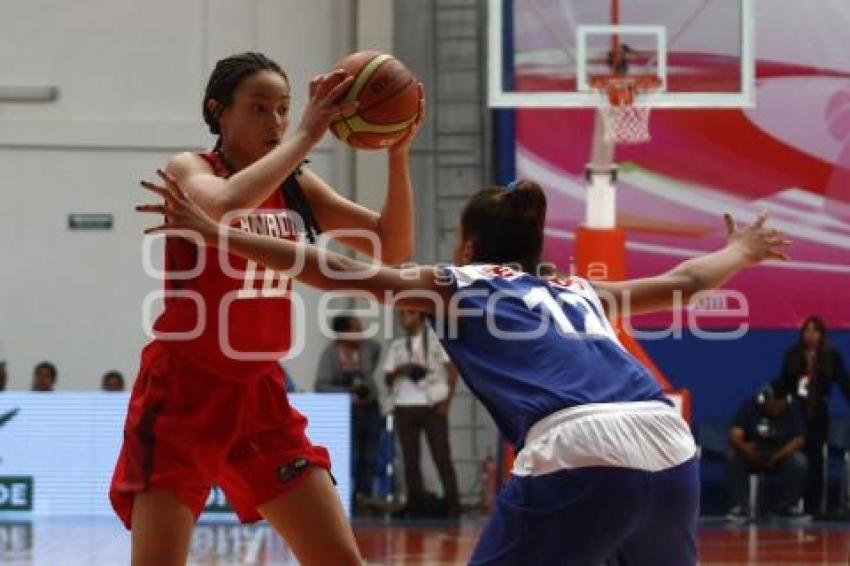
(528, 347)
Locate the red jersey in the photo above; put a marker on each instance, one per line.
(226, 314)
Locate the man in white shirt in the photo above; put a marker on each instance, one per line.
(422, 381)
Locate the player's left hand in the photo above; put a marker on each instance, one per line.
(180, 212)
(757, 242)
(403, 144)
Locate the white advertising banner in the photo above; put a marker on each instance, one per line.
(57, 450)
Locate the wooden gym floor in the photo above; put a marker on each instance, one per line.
(86, 541)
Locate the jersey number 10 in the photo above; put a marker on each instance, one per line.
(275, 284)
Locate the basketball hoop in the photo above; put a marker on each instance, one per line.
(625, 121)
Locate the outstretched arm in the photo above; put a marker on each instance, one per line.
(415, 288)
(746, 246)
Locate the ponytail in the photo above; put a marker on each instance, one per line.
(505, 224)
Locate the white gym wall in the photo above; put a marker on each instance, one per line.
(130, 77)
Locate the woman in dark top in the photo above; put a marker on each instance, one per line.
(810, 368)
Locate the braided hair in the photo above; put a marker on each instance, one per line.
(225, 79)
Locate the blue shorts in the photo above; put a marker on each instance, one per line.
(593, 516)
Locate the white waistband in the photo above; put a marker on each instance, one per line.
(644, 435)
(592, 409)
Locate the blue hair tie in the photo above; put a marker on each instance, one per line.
(511, 187)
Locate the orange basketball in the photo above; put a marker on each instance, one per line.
(389, 100)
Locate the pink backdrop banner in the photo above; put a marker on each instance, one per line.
(789, 156)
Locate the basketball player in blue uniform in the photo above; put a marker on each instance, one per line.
(606, 470)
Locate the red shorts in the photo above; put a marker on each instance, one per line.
(187, 429)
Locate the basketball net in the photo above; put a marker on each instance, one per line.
(625, 122)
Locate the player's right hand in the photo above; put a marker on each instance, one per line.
(757, 242)
(180, 212)
(324, 107)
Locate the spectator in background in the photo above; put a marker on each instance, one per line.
(112, 381)
(767, 437)
(809, 370)
(347, 365)
(422, 380)
(44, 377)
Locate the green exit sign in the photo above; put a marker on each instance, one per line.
(90, 221)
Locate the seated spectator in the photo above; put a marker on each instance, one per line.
(347, 365)
(44, 377)
(809, 370)
(112, 381)
(422, 380)
(767, 437)
(4, 377)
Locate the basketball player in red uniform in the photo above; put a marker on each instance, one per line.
(209, 405)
